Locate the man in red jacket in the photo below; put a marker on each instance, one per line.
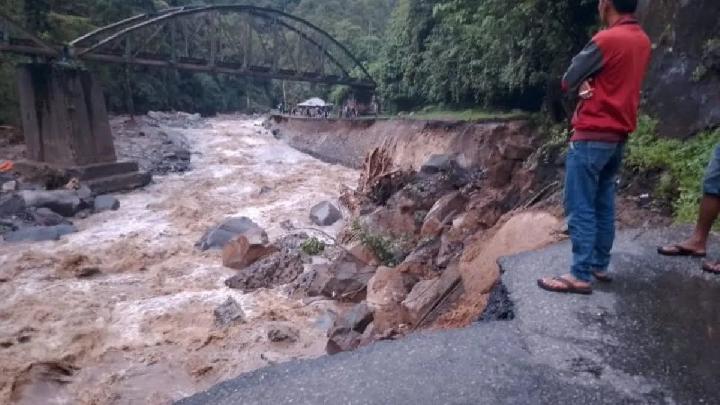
(608, 74)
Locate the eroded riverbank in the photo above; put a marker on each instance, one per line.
(143, 329)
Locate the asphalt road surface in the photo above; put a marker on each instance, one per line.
(650, 337)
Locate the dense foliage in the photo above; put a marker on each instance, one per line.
(492, 52)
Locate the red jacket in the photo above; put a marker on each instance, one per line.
(615, 62)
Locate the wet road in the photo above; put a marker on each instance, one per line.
(652, 337)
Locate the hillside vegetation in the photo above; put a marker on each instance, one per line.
(452, 53)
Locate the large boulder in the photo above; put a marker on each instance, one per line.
(219, 236)
(357, 318)
(363, 253)
(47, 217)
(442, 212)
(426, 294)
(39, 233)
(484, 210)
(436, 164)
(424, 189)
(451, 247)
(325, 214)
(385, 292)
(312, 282)
(343, 340)
(65, 202)
(279, 268)
(421, 261)
(283, 334)
(390, 222)
(240, 253)
(347, 279)
(11, 204)
(348, 329)
(229, 313)
(421, 299)
(106, 203)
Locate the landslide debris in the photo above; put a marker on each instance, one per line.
(418, 249)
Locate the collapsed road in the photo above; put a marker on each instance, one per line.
(652, 337)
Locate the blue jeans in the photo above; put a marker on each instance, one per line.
(591, 172)
(711, 183)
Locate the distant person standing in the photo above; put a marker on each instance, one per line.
(608, 75)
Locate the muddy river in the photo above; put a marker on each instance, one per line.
(143, 330)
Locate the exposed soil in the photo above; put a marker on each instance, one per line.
(122, 312)
(516, 233)
(410, 141)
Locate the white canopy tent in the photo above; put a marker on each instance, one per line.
(314, 102)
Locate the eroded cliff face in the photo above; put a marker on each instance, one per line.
(410, 142)
(683, 85)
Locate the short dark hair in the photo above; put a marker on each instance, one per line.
(625, 6)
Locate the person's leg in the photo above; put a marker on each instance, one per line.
(581, 184)
(585, 160)
(605, 212)
(709, 210)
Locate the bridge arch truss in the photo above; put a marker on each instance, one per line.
(231, 39)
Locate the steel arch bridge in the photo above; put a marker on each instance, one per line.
(230, 39)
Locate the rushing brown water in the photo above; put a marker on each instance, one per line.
(142, 331)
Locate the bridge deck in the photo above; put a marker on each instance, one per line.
(27, 47)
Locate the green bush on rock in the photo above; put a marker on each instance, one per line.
(313, 246)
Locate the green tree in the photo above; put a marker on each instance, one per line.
(493, 52)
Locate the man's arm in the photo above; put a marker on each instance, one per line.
(584, 65)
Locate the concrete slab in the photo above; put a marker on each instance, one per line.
(102, 178)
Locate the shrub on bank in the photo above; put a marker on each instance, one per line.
(682, 162)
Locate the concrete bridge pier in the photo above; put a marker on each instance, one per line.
(67, 131)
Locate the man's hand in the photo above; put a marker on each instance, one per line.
(586, 90)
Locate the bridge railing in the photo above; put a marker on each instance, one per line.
(231, 39)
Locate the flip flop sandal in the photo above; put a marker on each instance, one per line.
(677, 251)
(712, 268)
(569, 287)
(603, 277)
